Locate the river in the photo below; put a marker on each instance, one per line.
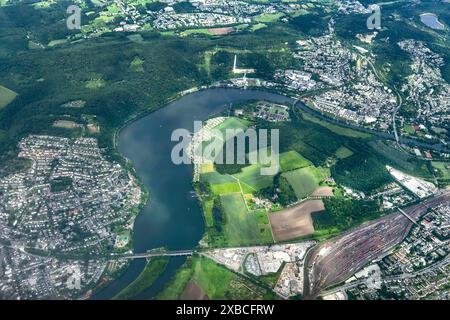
(172, 218)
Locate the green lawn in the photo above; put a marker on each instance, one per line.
(409, 129)
(95, 83)
(137, 65)
(292, 160)
(150, 273)
(57, 42)
(243, 227)
(6, 96)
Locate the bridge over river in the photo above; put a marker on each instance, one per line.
(155, 253)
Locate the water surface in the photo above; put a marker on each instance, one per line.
(432, 21)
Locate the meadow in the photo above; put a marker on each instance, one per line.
(6, 96)
(292, 160)
(306, 180)
(215, 280)
(243, 227)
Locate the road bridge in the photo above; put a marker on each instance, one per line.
(151, 254)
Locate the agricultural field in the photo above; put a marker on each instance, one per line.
(305, 181)
(243, 227)
(6, 96)
(214, 280)
(292, 160)
(251, 177)
(295, 222)
(220, 183)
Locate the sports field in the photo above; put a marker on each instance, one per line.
(6, 96)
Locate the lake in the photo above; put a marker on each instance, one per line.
(432, 21)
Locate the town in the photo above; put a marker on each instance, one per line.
(71, 203)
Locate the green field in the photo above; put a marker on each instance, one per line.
(269, 17)
(215, 280)
(6, 96)
(343, 153)
(305, 181)
(243, 227)
(177, 284)
(258, 26)
(151, 272)
(207, 211)
(251, 176)
(220, 183)
(232, 123)
(189, 32)
(292, 160)
(302, 181)
(443, 167)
